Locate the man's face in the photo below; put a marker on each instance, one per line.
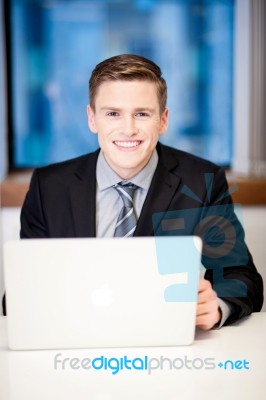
(128, 122)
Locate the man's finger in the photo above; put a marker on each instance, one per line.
(204, 284)
(206, 308)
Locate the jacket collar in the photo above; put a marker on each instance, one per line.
(162, 190)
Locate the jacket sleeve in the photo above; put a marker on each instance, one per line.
(32, 219)
(230, 266)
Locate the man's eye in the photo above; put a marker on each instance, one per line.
(112, 114)
(142, 114)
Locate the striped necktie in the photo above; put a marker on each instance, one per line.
(126, 222)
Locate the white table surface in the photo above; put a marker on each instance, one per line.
(31, 374)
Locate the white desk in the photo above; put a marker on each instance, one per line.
(31, 374)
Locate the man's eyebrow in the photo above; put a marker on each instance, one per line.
(105, 108)
(144, 109)
(110, 108)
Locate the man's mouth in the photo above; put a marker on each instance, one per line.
(127, 144)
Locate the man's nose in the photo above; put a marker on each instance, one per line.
(130, 126)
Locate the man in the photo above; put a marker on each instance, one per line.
(82, 197)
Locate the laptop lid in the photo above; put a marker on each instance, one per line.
(110, 292)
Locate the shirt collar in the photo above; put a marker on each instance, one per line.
(106, 176)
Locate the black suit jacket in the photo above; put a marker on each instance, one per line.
(61, 204)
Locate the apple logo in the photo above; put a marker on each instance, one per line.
(102, 296)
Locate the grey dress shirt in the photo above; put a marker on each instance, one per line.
(108, 200)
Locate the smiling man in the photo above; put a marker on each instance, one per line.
(128, 119)
(117, 190)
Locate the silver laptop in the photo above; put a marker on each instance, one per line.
(84, 293)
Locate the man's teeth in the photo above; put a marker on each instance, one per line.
(127, 144)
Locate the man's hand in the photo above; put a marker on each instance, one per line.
(208, 312)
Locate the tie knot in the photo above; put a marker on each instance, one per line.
(126, 192)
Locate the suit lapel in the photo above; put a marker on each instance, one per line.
(82, 192)
(162, 190)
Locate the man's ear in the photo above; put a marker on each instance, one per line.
(91, 119)
(164, 122)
